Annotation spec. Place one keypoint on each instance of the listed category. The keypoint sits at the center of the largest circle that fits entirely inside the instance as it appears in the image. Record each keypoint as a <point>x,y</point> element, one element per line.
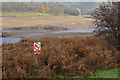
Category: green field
<point>111,73</point>
<point>31,14</point>
<point>22,14</point>
<point>87,16</point>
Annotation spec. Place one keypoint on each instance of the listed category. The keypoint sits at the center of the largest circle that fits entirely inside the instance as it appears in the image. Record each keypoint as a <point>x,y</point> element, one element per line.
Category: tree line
<point>43,7</point>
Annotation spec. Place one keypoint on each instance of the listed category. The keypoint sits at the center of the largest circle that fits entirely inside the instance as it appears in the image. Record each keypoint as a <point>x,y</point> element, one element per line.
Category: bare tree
<point>107,20</point>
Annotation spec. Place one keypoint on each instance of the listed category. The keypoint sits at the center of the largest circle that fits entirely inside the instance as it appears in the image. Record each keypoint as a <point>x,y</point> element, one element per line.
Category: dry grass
<point>62,21</point>
<point>67,56</point>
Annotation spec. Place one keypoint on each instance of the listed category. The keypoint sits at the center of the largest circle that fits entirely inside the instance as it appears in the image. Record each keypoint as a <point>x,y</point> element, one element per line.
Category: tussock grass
<point>66,56</point>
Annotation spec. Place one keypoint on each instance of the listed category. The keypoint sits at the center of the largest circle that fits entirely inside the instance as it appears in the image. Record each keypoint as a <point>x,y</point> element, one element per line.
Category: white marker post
<point>37,48</point>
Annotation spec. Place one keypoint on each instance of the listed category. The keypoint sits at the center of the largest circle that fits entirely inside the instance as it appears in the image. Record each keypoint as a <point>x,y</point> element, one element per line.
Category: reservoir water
<point>14,40</point>
<point>9,40</point>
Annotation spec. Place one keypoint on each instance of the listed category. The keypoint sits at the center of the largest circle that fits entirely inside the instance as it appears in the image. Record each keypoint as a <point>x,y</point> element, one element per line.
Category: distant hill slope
<point>53,8</point>
<point>85,7</point>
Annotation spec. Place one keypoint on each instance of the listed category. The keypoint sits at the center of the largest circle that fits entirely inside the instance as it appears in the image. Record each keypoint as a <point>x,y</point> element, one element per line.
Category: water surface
<point>76,31</point>
<point>15,40</point>
<point>10,40</point>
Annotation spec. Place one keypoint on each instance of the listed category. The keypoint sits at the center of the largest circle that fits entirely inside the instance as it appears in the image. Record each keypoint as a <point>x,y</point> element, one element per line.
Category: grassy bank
<point>87,16</point>
<point>22,14</point>
<point>111,73</point>
<point>74,56</point>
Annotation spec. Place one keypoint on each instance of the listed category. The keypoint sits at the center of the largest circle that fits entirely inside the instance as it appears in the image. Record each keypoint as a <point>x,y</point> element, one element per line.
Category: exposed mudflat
<point>30,26</point>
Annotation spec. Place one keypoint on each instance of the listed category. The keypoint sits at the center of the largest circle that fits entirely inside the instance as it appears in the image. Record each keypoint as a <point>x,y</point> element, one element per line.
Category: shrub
<point>67,56</point>
<point>107,20</point>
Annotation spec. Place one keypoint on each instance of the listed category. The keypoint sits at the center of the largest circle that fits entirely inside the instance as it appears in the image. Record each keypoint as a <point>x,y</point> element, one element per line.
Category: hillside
<point>85,7</point>
<point>55,8</point>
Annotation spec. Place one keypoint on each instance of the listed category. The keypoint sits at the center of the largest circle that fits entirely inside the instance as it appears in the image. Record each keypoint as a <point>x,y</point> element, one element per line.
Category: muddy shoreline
<point>41,30</point>
<point>57,33</point>
<point>52,26</point>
